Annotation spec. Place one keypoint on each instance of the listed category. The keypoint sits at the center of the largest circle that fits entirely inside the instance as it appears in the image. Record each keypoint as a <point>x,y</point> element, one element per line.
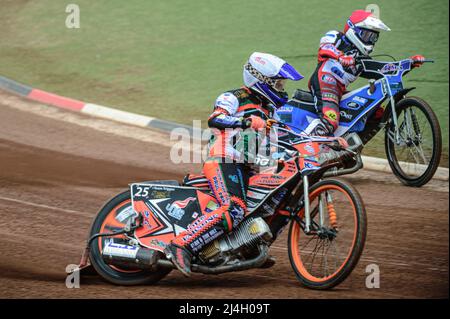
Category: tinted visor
<point>368,36</point>
<point>279,85</point>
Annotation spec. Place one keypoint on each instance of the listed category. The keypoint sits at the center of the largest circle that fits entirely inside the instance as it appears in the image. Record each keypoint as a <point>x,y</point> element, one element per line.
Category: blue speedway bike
<point>413,141</point>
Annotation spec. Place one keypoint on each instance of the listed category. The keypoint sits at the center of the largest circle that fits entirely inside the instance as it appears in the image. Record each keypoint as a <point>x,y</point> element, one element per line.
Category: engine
<point>246,235</point>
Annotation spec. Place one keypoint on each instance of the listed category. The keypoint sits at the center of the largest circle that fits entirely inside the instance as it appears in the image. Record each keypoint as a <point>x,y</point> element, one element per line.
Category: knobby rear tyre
<point>114,274</point>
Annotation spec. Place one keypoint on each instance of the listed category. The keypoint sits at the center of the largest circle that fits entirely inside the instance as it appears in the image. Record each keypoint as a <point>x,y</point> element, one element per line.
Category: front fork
<point>393,102</point>
<point>306,204</point>
<point>394,118</point>
<point>407,126</point>
<point>325,203</point>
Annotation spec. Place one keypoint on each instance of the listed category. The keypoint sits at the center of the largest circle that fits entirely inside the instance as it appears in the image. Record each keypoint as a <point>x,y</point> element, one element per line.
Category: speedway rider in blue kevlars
<point>251,106</point>
<point>338,67</point>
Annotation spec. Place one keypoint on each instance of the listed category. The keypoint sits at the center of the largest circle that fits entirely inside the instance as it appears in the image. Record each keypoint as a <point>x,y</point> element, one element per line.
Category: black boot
<point>323,128</point>
<point>180,257</point>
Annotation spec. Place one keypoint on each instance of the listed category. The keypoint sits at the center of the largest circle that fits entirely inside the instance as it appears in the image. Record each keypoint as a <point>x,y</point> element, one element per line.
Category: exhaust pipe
<point>140,257</point>
<point>125,255</point>
<point>240,266</point>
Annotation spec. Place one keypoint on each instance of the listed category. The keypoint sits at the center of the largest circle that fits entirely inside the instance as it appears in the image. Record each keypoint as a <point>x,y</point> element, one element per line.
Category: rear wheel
<point>113,217</point>
<point>327,255</point>
<point>415,156</point>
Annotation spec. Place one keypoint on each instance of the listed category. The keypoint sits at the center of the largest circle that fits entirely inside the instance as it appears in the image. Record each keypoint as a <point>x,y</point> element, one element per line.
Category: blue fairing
<point>395,81</point>
<point>356,106</point>
<point>354,109</point>
<point>296,118</point>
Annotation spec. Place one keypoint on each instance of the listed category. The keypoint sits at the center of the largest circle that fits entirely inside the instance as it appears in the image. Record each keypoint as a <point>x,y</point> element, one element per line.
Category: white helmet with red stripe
<point>362,29</point>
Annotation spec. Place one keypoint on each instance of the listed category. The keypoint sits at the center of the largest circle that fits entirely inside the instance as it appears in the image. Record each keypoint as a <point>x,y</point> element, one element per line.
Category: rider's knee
<point>330,111</point>
<point>330,124</point>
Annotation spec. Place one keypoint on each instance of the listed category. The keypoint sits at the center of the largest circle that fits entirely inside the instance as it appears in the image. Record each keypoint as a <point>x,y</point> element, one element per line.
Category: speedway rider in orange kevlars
<point>251,106</point>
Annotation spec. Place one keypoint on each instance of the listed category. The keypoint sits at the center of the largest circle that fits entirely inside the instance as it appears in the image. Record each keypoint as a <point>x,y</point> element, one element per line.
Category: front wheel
<point>113,217</point>
<point>324,257</point>
<point>414,153</point>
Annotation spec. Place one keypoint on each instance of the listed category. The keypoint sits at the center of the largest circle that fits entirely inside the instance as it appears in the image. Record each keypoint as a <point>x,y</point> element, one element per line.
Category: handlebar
<point>360,58</point>
<point>281,124</point>
<point>363,57</point>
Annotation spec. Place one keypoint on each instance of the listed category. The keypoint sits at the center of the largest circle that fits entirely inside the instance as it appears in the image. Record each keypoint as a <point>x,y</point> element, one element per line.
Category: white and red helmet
<point>362,29</point>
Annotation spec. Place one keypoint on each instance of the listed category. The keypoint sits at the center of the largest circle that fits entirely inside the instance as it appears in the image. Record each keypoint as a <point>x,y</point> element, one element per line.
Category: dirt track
<point>55,175</point>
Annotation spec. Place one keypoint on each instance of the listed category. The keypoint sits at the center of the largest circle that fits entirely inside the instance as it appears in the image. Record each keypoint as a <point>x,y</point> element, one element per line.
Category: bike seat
<point>304,96</point>
<point>301,104</point>
<point>194,180</point>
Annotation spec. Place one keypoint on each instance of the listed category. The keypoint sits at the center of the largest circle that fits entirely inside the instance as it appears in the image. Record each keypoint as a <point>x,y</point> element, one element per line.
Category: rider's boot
<point>323,128</point>
<point>202,231</point>
<point>180,257</point>
<point>227,183</point>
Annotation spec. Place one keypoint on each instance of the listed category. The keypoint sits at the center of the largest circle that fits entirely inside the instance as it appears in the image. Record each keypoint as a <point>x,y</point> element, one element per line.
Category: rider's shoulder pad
<point>330,37</point>
<point>227,101</point>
